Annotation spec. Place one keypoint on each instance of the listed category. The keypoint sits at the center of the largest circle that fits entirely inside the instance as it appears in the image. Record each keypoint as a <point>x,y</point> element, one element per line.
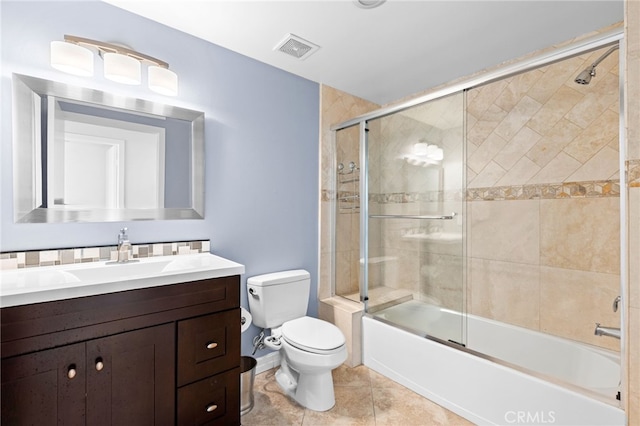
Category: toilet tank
<point>278,297</point>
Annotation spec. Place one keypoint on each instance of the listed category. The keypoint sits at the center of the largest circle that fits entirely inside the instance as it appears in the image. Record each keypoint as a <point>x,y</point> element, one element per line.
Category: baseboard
<point>267,362</point>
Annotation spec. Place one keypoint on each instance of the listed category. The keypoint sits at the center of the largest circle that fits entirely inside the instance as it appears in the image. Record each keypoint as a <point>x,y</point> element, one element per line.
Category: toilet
<point>309,347</point>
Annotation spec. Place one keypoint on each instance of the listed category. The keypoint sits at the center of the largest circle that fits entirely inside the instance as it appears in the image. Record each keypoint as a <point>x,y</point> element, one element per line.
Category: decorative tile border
<point>604,188</point>
<point>32,259</point>
<point>415,197</point>
<point>593,189</point>
<point>327,195</point>
<point>395,197</point>
<point>633,173</point>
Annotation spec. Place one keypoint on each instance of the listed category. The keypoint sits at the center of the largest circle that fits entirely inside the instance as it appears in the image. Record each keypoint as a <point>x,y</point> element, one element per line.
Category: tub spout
<point>607,331</point>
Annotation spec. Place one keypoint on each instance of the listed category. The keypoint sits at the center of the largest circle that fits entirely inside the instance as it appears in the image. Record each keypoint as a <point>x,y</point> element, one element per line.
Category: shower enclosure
<point>413,219</point>
<point>414,215</point>
<point>489,212</point>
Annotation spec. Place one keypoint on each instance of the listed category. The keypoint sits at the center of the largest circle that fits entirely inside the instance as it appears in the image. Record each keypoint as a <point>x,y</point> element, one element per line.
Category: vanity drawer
<point>212,401</point>
<point>208,345</point>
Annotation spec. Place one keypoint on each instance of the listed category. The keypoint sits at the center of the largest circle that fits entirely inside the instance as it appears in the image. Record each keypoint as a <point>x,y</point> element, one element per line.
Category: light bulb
<point>163,81</point>
<point>71,58</point>
<point>122,68</point>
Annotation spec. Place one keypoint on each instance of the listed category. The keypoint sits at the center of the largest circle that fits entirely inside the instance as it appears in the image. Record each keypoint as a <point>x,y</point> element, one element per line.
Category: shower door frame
<point>364,214</point>
<point>609,38</point>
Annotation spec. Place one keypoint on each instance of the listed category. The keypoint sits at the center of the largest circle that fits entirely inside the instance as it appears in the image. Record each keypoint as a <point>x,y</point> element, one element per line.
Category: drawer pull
<point>211,408</point>
<point>71,372</point>
<point>99,364</point>
<point>212,345</point>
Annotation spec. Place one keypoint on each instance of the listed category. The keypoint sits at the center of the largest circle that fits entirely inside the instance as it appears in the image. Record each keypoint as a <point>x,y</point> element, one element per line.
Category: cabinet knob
<point>211,408</point>
<point>99,364</point>
<point>71,372</point>
<point>212,345</point>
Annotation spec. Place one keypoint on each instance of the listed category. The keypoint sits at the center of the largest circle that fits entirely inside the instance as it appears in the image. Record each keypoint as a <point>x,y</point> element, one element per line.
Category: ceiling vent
<point>297,47</point>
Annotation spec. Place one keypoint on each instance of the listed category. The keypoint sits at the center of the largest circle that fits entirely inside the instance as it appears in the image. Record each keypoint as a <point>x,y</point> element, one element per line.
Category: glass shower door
<point>347,214</point>
<point>415,214</point>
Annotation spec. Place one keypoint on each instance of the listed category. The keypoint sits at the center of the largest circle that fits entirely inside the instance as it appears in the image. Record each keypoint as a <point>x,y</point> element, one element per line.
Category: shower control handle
<point>616,303</point>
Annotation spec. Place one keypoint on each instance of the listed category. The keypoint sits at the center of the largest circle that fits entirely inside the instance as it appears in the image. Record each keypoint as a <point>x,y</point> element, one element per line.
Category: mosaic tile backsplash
<point>31,259</point>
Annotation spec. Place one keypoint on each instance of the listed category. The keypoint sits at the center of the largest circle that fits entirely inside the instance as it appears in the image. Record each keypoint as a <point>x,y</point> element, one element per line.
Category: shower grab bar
<point>409,216</point>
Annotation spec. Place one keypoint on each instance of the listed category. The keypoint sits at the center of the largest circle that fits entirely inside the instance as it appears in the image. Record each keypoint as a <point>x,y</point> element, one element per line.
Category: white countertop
<point>49,283</point>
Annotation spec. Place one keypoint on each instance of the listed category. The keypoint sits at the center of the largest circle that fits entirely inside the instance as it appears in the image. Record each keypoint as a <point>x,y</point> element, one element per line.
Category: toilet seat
<point>313,335</point>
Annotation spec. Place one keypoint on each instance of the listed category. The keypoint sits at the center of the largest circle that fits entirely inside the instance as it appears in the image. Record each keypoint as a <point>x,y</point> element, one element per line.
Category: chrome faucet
<point>607,331</point>
<point>124,246</point>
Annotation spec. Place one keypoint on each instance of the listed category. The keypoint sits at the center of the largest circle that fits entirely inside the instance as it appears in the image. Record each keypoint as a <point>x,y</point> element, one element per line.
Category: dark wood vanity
<point>152,356</point>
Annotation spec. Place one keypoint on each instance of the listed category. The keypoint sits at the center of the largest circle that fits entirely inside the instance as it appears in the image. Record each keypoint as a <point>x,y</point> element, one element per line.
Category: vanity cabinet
<point>154,356</point>
<point>113,380</point>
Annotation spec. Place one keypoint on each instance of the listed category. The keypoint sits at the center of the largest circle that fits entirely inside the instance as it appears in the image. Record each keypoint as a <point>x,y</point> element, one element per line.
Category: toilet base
<point>312,391</point>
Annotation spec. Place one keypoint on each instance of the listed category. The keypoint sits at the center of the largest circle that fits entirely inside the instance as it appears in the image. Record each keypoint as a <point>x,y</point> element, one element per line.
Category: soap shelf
<point>349,201</point>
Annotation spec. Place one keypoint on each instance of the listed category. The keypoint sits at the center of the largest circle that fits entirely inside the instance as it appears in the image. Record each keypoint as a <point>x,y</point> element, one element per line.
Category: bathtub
<point>581,380</point>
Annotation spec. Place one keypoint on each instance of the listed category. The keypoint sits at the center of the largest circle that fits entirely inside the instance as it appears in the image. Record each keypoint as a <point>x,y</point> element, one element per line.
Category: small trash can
<point>247,375</point>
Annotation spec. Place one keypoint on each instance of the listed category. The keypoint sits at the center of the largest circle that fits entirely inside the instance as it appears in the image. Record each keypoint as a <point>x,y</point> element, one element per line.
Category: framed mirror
<point>83,155</point>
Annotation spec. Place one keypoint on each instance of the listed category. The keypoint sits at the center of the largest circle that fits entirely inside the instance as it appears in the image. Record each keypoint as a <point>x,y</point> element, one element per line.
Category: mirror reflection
<point>85,155</point>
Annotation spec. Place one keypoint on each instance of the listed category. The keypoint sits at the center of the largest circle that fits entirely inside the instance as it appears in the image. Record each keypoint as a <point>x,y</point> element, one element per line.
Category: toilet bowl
<point>309,347</point>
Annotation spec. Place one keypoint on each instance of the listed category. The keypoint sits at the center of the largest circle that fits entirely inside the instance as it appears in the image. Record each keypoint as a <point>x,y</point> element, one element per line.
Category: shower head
<point>585,76</point>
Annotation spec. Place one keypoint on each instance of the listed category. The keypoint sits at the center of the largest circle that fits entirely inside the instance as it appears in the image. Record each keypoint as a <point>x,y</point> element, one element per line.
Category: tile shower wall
<point>631,392</point>
<point>540,127</point>
<point>543,199</point>
<point>337,107</point>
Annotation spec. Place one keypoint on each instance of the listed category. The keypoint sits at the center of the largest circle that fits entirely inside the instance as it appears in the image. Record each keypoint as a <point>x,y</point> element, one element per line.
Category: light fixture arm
<point>114,48</point>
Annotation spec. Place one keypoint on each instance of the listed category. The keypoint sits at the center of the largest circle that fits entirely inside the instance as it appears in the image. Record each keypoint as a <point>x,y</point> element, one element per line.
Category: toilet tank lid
<point>275,278</point>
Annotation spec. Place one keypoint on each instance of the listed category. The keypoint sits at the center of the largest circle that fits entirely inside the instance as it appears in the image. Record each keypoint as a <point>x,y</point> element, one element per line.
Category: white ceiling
<point>386,53</point>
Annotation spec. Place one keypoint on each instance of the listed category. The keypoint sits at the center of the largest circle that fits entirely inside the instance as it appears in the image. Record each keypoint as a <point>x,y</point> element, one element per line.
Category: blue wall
<point>261,140</point>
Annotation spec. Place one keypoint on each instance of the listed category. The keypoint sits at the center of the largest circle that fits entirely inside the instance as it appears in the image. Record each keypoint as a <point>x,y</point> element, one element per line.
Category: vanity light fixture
<point>121,64</point>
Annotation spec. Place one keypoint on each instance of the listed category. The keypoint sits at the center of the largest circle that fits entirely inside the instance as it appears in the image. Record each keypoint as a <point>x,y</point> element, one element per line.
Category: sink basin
<point>17,280</point>
<point>119,271</point>
<point>43,284</point>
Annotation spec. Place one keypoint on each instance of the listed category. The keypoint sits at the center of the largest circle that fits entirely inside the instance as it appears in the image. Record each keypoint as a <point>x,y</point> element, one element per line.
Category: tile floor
<point>363,397</point>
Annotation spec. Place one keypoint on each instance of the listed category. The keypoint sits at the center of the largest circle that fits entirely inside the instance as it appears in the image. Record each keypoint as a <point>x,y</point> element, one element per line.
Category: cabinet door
<point>45,388</point>
<point>208,345</point>
<point>131,378</point>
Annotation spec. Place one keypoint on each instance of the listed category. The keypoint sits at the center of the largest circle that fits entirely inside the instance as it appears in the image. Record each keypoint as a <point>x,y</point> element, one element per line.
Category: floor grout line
<point>397,404</point>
